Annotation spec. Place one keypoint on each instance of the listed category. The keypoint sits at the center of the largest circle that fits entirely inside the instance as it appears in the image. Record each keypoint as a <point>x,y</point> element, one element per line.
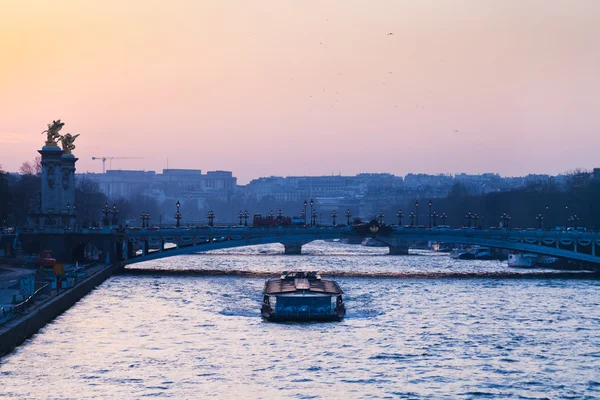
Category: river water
<point>413,330</point>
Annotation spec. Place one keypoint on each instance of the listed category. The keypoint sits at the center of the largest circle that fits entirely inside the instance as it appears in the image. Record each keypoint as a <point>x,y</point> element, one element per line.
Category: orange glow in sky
<point>277,87</point>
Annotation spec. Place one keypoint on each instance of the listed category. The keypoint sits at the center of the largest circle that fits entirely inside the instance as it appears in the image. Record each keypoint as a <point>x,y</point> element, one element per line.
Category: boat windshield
<point>303,304</point>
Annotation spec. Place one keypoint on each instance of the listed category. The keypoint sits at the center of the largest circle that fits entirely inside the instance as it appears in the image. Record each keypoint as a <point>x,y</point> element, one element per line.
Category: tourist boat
<point>302,296</point>
<point>522,260</point>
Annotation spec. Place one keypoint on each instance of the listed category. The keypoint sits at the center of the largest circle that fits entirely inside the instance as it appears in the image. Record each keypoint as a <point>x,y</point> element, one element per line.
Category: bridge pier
<point>293,248</point>
<point>401,250</point>
<point>397,247</point>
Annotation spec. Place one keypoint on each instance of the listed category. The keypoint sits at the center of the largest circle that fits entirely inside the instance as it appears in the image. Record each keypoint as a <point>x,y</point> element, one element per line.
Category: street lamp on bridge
<point>311,211</point>
<point>333,216</point>
<point>246,215</point>
<point>348,215</point>
<point>574,220</point>
<point>444,216</point>
<point>430,204</point>
<point>106,211</point>
<point>434,216</point>
<point>399,214</point>
<point>506,220</point>
<point>417,211</point>
<point>476,218</point>
<point>380,217</point>
<point>469,217</point>
<point>115,213</point>
<point>145,217</point>
<point>211,217</point>
<point>304,212</point>
<point>279,216</point>
<point>314,214</point>
<point>177,214</point>
<point>240,216</point>
<point>540,220</point>
<point>412,218</point>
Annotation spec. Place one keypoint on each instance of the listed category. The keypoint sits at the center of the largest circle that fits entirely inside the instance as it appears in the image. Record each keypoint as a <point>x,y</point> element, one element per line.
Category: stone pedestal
<point>55,208</point>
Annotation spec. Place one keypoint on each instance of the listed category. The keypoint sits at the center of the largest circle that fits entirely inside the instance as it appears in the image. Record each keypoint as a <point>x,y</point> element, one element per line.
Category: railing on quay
<point>6,314</point>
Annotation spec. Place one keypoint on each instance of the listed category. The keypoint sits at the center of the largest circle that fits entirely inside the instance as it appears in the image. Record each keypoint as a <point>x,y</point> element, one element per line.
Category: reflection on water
<point>202,336</point>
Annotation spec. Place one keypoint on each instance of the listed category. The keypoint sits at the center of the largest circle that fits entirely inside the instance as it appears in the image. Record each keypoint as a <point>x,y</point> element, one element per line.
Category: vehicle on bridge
<point>302,296</point>
<point>270,221</point>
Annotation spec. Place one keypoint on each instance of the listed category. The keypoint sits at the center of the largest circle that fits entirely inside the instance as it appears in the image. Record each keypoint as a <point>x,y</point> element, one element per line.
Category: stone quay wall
<point>15,332</point>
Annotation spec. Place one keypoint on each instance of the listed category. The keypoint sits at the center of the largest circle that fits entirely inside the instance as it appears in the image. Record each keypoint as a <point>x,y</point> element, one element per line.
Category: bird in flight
<point>391,34</point>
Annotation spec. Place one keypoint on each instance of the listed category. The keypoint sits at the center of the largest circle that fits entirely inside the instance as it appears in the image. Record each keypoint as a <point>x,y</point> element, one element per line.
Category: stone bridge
<point>137,245</point>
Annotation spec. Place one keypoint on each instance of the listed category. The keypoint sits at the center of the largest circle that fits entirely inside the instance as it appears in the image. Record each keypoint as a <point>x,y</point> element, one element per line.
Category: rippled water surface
<point>192,336</point>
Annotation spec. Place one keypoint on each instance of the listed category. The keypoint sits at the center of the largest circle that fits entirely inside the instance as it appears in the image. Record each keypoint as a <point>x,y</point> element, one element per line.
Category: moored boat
<point>370,242</point>
<point>482,253</point>
<point>302,296</point>
<point>522,260</point>
<point>462,254</point>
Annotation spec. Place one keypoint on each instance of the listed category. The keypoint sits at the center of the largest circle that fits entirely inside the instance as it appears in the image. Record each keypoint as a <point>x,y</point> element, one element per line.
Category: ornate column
<point>51,190</point>
<point>67,186</point>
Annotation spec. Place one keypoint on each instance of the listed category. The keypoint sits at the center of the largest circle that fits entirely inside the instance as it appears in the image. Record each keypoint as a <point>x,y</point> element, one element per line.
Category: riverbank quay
<point>26,319</point>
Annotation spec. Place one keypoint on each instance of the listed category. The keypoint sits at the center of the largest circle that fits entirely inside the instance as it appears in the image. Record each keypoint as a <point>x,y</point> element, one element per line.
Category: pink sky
<point>277,87</point>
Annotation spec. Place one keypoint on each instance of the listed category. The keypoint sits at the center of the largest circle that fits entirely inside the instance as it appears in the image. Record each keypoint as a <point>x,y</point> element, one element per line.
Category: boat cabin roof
<point>301,282</point>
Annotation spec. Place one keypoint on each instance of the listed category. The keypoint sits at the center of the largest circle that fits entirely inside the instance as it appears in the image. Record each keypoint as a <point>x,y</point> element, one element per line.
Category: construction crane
<point>113,158</point>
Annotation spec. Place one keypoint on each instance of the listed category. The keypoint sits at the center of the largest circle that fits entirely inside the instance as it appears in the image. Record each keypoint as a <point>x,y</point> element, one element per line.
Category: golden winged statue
<point>67,142</point>
<point>52,132</point>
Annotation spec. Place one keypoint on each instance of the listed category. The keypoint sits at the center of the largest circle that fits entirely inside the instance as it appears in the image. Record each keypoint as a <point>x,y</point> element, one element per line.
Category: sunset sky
<point>282,87</point>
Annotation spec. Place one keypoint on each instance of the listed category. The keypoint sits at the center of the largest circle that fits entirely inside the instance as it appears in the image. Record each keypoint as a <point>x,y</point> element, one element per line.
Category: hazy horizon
<point>284,89</point>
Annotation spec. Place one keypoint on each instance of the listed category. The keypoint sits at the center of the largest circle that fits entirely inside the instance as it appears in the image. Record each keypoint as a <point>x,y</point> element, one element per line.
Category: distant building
<point>125,184</point>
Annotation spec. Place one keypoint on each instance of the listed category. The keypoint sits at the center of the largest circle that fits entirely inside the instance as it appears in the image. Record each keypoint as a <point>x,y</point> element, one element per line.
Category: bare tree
<point>31,167</point>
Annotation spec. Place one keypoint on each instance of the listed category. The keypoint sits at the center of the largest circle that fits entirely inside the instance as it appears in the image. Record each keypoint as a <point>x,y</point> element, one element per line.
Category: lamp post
<point>412,218</point>
<point>434,216</point>
<point>279,216</point>
<point>311,210</point>
<point>333,215</point>
<point>348,215</point>
<point>115,213</point>
<point>399,214</point>
<point>574,219</point>
<point>380,217</point>
<point>246,215</point>
<point>240,216</point>
<point>444,216</point>
<point>469,217</point>
<point>476,218</point>
<point>546,215</point>
<point>540,220</point>
<point>417,211</point>
<point>430,204</point>
<point>506,219</point>
<point>304,213</point>
<point>210,216</point>
<point>105,211</point>
<point>143,218</point>
<point>177,214</point>
<point>314,218</point>
<point>567,213</point>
